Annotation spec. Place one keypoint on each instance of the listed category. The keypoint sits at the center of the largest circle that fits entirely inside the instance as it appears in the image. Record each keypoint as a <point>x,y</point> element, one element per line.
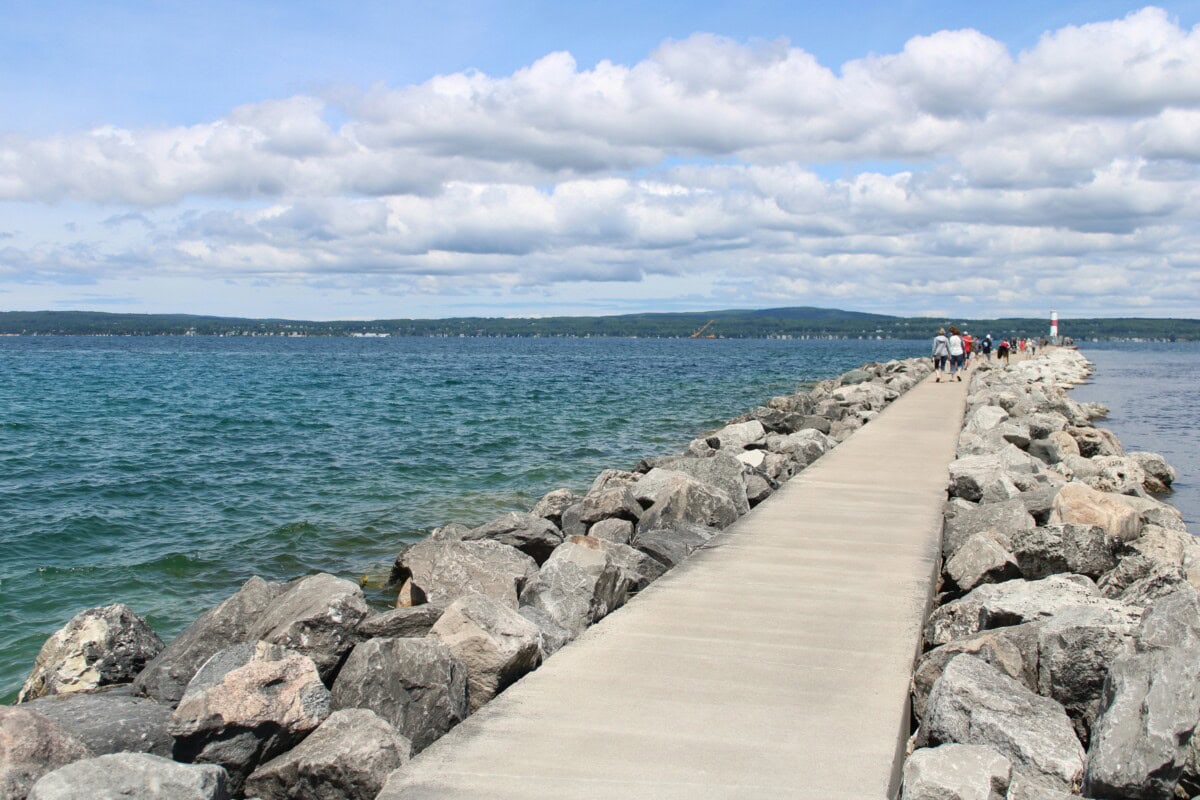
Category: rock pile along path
<point>775,663</point>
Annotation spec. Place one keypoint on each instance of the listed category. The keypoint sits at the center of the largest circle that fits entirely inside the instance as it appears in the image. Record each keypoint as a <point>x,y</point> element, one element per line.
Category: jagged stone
<point>721,470</point>
<point>1096,442</point>
<point>552,637</point>
<point>1080,549</point>
<point>578,585</point>
<point>981,560</point>
<point>613,479</point>
<point>956,772</point>
<point>553,503</point>
<point>443,571</point>
<point>1079,504</point>
<point>110,721</point>
<point>400,622</point>
<point>494,643</point>
<point>757,489</point>
<point>533,535</point>
<point>140,775</point>
<point>740,435</point>
<point>612,530</point>
<point>679,498</point>
<point>963,522</point>
<point>315,617</point>
<point>1159,474</point>
<point>671,545</point>
<point>1055,448</point>
<point>30,746</point>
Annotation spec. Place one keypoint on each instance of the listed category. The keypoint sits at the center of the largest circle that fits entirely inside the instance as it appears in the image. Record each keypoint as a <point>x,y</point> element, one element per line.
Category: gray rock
<point>415,684</point>
<point>985,478</point>
<point>552,637</point>
<point>1079,504</point>
<point>1022,787</point>
<point>444,571</point>
<point>553,503</point>
<point>98,647</point>
<point>804,446</point>
<point>110,721</point>
<point>681,499</point>
<point>533,535</point>
<point>1159,474</point>
<point>974,703</point>
<point>612,530</point>
<point>223,662</point>
<point>856,376</point>
<point>1039,501</point>
<point>1080,549</point>
<point>227,623</point>
<point>613,479</point>
<point>740,435</point>
<point>638,569</point>
<point>1158,583</point>
<point>956,772</point>
<point>578,585</point>
<point>961,523</point>
<point>1096,442</point>
<point>30,746</point>
<point>776,420</point>
<point>817,423</point>
<point>721,470</point>
<point>671,545</point>
<point>348,758</point>
<point>395,623</point>
<point>1153,512</point>
<point>757,489</point>
<point>254,713</point>
<point>1055,448</point>
<point>140,775</point>
<point>617,502</point>
<point>315,617</point>
<point>494,643</point>
<point>981,560</point>
<point>1157,550</point>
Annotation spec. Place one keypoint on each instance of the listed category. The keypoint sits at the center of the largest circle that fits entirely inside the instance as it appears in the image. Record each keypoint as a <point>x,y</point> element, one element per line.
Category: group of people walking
<point>952,351</point>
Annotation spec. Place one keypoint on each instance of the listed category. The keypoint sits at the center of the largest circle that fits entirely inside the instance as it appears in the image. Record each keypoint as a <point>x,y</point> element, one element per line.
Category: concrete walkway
<point>774,664</point>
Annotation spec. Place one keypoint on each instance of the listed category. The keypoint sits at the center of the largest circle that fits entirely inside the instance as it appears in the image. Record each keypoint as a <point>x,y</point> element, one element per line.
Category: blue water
<point>163,472</point>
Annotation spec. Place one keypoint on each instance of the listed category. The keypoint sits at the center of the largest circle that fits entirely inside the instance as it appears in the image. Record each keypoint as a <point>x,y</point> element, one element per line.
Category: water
<point>163,472</point>
<point>1150,389</point>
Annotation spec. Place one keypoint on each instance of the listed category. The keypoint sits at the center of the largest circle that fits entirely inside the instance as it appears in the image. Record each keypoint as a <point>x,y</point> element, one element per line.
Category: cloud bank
<point>951,174</point>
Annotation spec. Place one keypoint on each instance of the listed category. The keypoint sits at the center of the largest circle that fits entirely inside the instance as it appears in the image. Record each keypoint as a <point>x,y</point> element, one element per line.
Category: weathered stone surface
<point>981,560</point>
<point>956,772</point>
<point>671,545</point>
<point>804,447</point>
<point>679,498</point>
<point>415,684</point>
<point>962,523</point>
<point>315,617</point>
<point>1013,650</point>
<point>252,714</point>
<point>994,605</point>
<point>229,622</point>
<point>444,571</point>
<point>1080,549</point>
<point>1096,442</point>
<point>110,721</point>
<point>348,758</point>
<point>740,435</point>
<point>639,569</point>
<point>1039,501</point>
<point>140,775</point>
<point>988,478</point>
<point>1157,550</point>
<point>494,643</point>
<point>757,489</point>
<point>30,746</point>
<point>1055,447</point>
<point>533,535</point>
<point>1153,512</point>
<point>1022,787</point>
<point>1079,504</point>
<point>776,420</point>
<point>617,502</point>
<point>98,647</point>
<point>974,703</point>
<point>578,585</point>
<point>400,622</point>
<point>1159,474</point>
<point>552,637</point>
<point>223,662</point>
<point>553,503</point>
<point>612,530</point>
<point>984,419</point>
<point>721,470</point>
<point>613,479</point>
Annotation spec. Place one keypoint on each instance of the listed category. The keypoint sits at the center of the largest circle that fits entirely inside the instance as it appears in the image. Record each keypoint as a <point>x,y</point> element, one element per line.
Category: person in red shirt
<point>968,344</point>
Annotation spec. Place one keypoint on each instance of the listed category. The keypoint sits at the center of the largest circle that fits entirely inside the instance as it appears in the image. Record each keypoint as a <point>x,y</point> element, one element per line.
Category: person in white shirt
<point>957,353</point>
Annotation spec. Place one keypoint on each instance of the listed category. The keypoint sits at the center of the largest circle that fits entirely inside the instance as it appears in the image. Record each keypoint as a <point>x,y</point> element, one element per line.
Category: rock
<point>494,643</point>
<point>552,637</point>
<point>752,458</point>
<point>817,423</point>
<point>98,647</point>
<point>445,571</point>
<point>1158,583</point>
<point>30,746</point>
<point>315,617</point>
<point>1054,448</point>
<point>956,772</point>
<point>552,505</point>
<point>1157,550</point>
<point>227,623</point>
<point>681,499</point>
<point>1083,505</point>
<point>776,420</point>
<point>1153,512</point>
<point>400,622</point>
<point>804,446</point>
<point>720,470</point>
<point>1013,650</point>
<point>1116,474</point>
<point>223,662</point>
<point>974,703</point>
<point>110,721</point>
<point>578,585</point>
<point>856,376</point>
<point>612,530</point>
<point>533,535</point>
<point>671,545</point>
<point>415,684</point>
<point>133,775</point>
<point>1039,502</point>
<point>249,714</point>
<point>864,395</point>
<point>757,489</point>
<point>613,479</point>
<point>985,419</point>
<point>776,467</point>
<point>988,478</point>
<point>348,758</point>
<point>981,560</point>
<point>1004,518</point>
<point>1159,474</point>
<point>1024,788</point>
<point>741,435</point>
<point>638,569</point>
<point>1079,549</point>
<point>1096,442</point>
<point>994,605</point>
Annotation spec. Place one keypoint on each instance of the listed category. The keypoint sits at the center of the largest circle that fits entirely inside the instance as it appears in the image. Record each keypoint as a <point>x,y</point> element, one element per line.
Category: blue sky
<point>306,159</point>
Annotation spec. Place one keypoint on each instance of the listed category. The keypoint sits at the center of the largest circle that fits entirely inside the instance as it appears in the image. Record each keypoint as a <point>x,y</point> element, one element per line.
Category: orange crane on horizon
<point>703,328</point>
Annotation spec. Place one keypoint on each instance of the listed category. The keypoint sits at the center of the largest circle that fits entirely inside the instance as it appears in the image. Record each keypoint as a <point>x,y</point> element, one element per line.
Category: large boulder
<point>494,643</point>
<point>614,502</point>
<point>1079,504</point>
<point>994,605</point>
<point>974,703</point>
<point>553,504</point>
<point>964,521</point>
<point>993,477</point>
<point>1157,550</point>
<point>414,684</point>
<point>956,772</point>
<point>804,446</point>
<point>30,746</point>
<point>348,758</point>
<point>97,647</point>
<point>982,559</point>
<point>249,714</point>
<point>639,569</point>
<point>533,535</point>
<point>740,435</point>
<point>110,721</point>
<point>140,775</point>
<point>400,622</point>
<point>721,470</point>
<point>612,530</point>
<point>315,617</point>
<point>578,585</point>
<point>672,544</point>
<point>1096,442</point>
<point>679,498</point>
<point>1159,474</point>
<point>226,623</point>
<point>443,571</point>
<point>1081,549</point>
<point>1055,448</point>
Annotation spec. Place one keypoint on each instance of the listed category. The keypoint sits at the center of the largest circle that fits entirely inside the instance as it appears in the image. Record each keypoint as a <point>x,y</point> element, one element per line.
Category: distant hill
<point>798,321</point>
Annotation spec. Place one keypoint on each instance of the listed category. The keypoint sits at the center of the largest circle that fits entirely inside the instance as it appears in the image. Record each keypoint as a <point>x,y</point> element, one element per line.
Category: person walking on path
<point>941,353</point>
<point>1002,351</point>
<point>957,353</point>
<point>987,346</point>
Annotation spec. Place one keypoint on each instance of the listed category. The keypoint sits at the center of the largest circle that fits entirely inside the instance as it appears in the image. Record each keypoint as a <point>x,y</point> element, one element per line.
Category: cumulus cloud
<point>1070,169</point>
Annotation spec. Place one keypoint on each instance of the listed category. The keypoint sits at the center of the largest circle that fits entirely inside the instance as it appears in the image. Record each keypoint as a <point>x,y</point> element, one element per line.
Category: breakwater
<point>1063,655</point>
<point>253,678</point>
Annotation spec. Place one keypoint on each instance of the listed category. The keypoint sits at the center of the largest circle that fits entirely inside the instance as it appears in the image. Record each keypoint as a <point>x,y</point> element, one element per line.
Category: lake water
<point>163,472</point>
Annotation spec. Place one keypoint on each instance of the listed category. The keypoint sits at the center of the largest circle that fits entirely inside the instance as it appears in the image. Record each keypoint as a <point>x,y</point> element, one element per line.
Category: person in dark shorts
<point>941,353</point>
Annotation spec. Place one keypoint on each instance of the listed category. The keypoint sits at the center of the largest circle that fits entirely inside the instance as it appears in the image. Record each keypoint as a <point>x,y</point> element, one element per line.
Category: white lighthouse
<point>1054,325</point>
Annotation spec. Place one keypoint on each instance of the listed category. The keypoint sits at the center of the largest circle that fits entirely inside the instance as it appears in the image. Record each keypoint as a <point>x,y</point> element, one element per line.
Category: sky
<point>465,157</point>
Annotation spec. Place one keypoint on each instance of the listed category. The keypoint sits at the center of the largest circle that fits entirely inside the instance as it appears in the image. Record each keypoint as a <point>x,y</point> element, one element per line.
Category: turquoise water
<point>163,472</point>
